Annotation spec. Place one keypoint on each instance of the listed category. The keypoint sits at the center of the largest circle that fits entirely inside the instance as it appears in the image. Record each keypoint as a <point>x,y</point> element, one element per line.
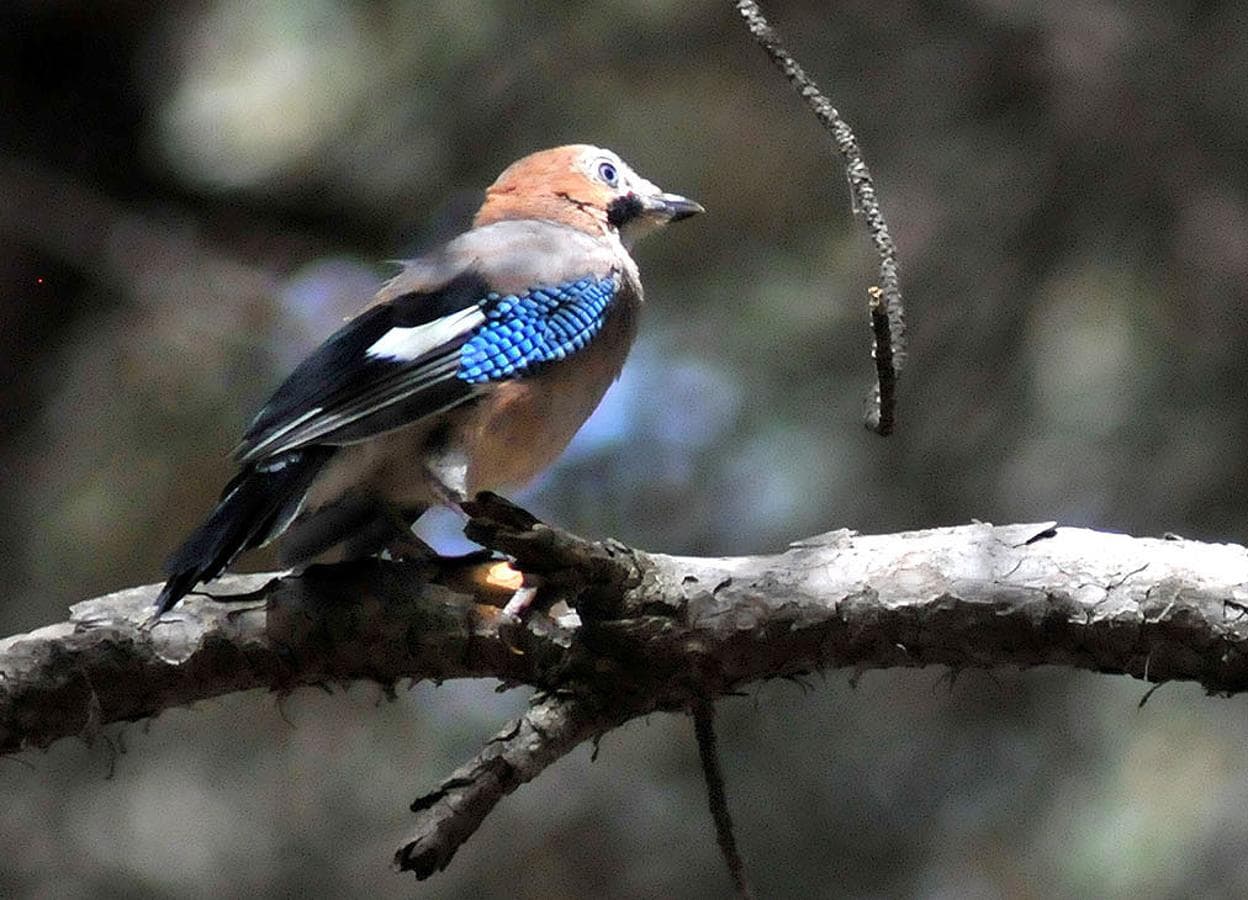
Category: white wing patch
<point>410,344</point>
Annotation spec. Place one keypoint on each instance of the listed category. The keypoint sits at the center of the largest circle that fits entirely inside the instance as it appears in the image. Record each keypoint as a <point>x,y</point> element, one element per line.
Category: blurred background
<point>194,193</point>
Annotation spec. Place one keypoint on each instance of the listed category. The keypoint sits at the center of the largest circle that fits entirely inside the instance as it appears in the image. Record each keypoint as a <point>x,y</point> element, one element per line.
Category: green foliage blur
<point>192,194</point>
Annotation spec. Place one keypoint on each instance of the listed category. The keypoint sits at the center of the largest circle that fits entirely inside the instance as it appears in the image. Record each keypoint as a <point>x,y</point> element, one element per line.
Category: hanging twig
<point>889,336</point>
<point>703,712</point>
<point>881,414</point>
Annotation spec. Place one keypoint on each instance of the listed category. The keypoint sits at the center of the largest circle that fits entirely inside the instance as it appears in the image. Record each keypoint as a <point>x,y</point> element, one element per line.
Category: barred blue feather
<point>523,331</point>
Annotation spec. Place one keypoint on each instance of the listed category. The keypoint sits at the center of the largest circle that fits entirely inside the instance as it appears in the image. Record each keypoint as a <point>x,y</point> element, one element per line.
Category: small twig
<point>450,815</point>
<point>882,416</point>
<point>1148,695</point>
<point>703,712</point>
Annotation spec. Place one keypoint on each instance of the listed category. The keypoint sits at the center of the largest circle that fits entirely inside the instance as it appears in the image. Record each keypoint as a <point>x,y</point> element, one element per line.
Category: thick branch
<point>681,628</point>
<point>658,632</point>
<point>369,620</point>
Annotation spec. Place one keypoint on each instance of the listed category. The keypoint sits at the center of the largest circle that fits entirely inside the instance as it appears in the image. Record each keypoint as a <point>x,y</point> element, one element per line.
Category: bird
<point>469,370</point>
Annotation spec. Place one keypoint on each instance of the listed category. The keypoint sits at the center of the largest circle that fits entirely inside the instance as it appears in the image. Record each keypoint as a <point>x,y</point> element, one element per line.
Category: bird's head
<point>589,188</point>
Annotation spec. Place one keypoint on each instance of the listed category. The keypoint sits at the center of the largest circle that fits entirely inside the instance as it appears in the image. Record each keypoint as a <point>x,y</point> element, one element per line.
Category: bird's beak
<point>671,207</point>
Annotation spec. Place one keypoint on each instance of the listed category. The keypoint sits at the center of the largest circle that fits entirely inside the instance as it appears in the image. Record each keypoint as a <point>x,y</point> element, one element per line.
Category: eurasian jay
<point>470,370</point>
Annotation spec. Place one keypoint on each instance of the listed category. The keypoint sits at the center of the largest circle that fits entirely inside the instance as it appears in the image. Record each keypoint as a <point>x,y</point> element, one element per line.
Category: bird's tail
<point>254,508</point>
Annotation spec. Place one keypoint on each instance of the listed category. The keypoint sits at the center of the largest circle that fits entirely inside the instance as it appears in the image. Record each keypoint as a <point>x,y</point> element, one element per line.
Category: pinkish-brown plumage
<point>553,186</point>
<point>471,370</point>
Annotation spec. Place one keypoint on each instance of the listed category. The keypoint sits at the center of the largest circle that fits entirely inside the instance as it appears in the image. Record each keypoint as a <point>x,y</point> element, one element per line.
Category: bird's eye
<point>607,172</point>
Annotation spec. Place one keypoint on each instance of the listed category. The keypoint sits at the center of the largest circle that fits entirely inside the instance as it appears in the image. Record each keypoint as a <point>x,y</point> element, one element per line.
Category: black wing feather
<point>339,381</point>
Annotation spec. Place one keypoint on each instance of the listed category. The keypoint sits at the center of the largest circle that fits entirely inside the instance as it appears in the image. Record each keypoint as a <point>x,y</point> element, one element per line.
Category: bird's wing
<point>510,300</point>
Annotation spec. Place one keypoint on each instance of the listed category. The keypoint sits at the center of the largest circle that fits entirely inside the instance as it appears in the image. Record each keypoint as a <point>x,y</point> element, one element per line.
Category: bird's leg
<point>504,575</point>
<point>446,475</point>
<point>403,542</point>
<point>523,597</point>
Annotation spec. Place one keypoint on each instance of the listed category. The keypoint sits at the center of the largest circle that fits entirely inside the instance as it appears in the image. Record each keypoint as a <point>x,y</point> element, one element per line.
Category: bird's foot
<point>520,602</point>
<point>506,580</point>
<point>407,546</point>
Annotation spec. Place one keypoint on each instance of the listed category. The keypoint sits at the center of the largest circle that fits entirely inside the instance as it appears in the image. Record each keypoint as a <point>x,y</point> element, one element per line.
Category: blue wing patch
<point>543,325</point>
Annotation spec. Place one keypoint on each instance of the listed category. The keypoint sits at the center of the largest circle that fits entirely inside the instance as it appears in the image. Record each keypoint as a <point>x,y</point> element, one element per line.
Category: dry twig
<point>703,713</point>
<point>889,348</point>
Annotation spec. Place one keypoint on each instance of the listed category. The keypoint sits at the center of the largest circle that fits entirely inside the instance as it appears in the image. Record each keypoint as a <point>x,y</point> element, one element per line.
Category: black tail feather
<point>253,509</point>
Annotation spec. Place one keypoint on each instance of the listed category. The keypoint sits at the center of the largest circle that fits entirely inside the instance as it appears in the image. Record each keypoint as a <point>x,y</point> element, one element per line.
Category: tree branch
<point>448,816</point>
<point>888,323</point>
<point>703,715</point>
<point>657,633</point>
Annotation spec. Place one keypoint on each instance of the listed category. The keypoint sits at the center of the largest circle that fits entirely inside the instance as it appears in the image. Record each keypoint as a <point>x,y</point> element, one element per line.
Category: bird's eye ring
<point>608,173</point>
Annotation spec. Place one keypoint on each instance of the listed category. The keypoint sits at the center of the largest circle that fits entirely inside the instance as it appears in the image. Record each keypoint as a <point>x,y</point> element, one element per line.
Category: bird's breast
<point>520,427</point>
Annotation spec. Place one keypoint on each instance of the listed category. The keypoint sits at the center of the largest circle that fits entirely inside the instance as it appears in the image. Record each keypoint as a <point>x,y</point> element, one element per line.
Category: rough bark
<point>658,632</point>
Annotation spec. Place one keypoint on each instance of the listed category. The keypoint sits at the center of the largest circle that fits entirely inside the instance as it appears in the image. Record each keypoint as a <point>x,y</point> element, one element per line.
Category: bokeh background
<point>192,194</point>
